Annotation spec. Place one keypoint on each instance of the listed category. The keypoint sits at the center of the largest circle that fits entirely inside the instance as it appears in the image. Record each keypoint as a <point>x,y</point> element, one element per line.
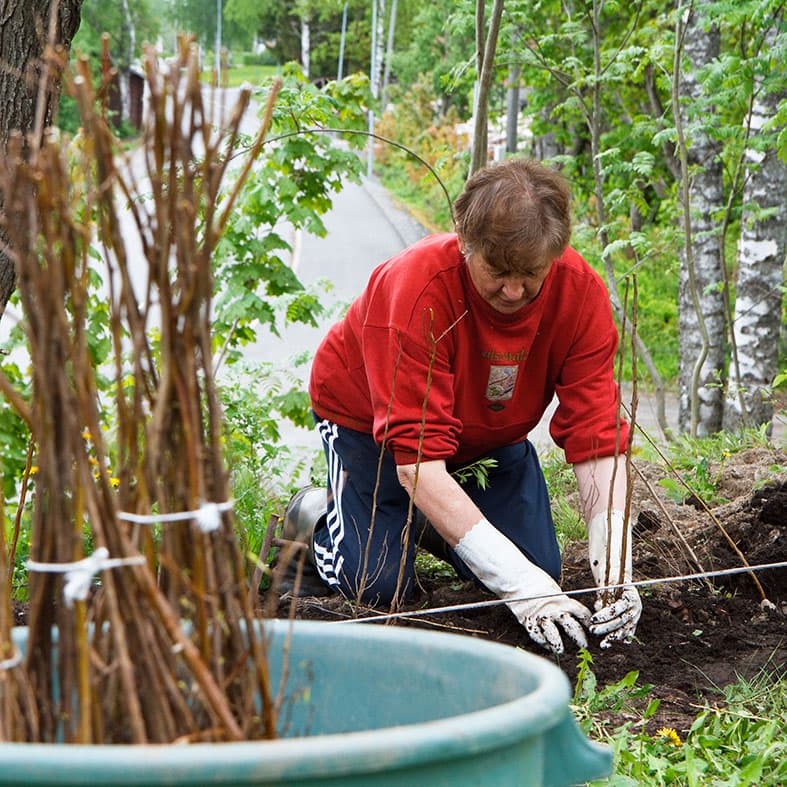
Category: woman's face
<point>506,291</point>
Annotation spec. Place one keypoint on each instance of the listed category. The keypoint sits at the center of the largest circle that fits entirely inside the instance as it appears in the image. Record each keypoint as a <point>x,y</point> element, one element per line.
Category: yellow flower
<point>92,460</point>
<point>33,469</point>
<point>114,482</point>
<point>86,434</point>
<point>671,736</point>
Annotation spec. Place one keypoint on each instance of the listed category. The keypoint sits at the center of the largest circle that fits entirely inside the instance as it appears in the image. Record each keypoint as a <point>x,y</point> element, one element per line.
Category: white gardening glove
<point>617,611</point>
<point>502,568</point>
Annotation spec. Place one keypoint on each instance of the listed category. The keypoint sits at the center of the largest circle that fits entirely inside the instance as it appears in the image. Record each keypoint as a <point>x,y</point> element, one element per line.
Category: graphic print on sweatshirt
<point>502,377</point>
<point>501,383</point>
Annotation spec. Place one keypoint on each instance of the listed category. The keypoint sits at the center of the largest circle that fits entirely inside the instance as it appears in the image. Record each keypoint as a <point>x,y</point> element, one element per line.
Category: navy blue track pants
<point>360,549</point>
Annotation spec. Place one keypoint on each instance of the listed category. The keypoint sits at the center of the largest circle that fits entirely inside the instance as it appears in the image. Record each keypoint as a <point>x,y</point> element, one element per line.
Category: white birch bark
<point>701,305</point>
<point>124,71</point>
<point>379,49</point>
<point>761,252</point>
<point>305,44</point>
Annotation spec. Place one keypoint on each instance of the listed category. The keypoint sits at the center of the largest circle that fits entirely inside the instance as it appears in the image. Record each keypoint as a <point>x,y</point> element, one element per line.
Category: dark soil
<point>695,636</point>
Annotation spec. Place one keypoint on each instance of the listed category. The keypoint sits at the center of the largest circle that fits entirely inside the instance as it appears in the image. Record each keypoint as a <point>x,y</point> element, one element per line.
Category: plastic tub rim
<point>462,735</point>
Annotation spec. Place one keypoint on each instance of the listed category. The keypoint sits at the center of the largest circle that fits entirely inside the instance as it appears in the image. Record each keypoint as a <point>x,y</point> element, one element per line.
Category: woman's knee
<point>375,586</point>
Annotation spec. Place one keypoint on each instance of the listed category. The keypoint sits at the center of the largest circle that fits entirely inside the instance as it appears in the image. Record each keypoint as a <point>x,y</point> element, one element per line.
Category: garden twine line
<point>80,573</point>
<point>418,613</point>
<point>207,516</point>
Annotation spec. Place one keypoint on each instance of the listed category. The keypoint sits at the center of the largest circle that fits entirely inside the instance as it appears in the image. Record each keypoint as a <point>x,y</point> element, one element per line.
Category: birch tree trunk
<point>389,47</point>
<point>761,251</point>
<point>701,322</point>
<point>27,102</point>
<point>306,45</point>
<point>379,48</point>
<point>129,38</point>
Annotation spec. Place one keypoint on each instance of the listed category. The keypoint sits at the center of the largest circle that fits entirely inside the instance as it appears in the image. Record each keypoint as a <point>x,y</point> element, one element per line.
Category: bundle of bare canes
<point>163,648</point>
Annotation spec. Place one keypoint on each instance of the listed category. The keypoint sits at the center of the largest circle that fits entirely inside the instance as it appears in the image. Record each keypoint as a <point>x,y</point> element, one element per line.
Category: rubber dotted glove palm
<point>617,611</point>
<point>535,598</point>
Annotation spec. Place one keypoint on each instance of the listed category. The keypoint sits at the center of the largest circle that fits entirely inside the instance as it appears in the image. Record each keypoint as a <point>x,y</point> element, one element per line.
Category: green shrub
<point>264,58</point>
<point>414,125</point>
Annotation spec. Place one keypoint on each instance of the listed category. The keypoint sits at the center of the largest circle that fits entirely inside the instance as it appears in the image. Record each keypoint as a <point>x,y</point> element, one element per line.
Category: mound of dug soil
<point>695,636</point>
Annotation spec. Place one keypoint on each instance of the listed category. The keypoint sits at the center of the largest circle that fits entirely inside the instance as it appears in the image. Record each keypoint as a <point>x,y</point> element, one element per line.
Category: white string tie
<point>79,575</point>
<point>13,661</point>
<point>207,516</point>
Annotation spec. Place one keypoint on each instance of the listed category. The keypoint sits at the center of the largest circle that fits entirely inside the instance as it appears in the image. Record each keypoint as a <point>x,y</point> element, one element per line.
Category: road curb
<point>405,226</point>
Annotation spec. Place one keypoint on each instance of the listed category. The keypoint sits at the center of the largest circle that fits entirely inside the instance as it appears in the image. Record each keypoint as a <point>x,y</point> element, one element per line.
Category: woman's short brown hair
<point>515,214</point>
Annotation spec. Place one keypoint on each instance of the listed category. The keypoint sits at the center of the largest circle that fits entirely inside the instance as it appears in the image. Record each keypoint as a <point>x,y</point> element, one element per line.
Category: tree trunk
<point>701,321</point>
<point>512,97</point>
<point>378,48</point>
<point>546,146</point>
<point>761,250</point>
<point>487,60</point>
<point>27,102</point>
<point>389,47</point>
<point>129,38</point>
<point>306,45</point>
<point>512,109</point>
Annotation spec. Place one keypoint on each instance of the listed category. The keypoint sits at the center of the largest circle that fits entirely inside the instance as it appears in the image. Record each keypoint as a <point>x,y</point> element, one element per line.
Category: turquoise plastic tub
<point>365,705</point>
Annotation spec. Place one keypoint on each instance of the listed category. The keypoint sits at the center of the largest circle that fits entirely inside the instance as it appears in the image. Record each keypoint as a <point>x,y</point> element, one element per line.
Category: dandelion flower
<point>671,736</point>
<point>114,482</point>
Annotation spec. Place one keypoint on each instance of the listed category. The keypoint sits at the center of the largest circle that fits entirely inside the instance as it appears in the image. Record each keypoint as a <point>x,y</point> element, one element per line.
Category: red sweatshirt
<point>420,353</point>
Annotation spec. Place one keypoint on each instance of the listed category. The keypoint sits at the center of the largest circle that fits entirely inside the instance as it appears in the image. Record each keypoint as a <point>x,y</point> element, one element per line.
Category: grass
<point>235,76</point>
<point>741,740</point>
<point>697,463</point>
<point>562,486</point>
<point>425,202</point>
